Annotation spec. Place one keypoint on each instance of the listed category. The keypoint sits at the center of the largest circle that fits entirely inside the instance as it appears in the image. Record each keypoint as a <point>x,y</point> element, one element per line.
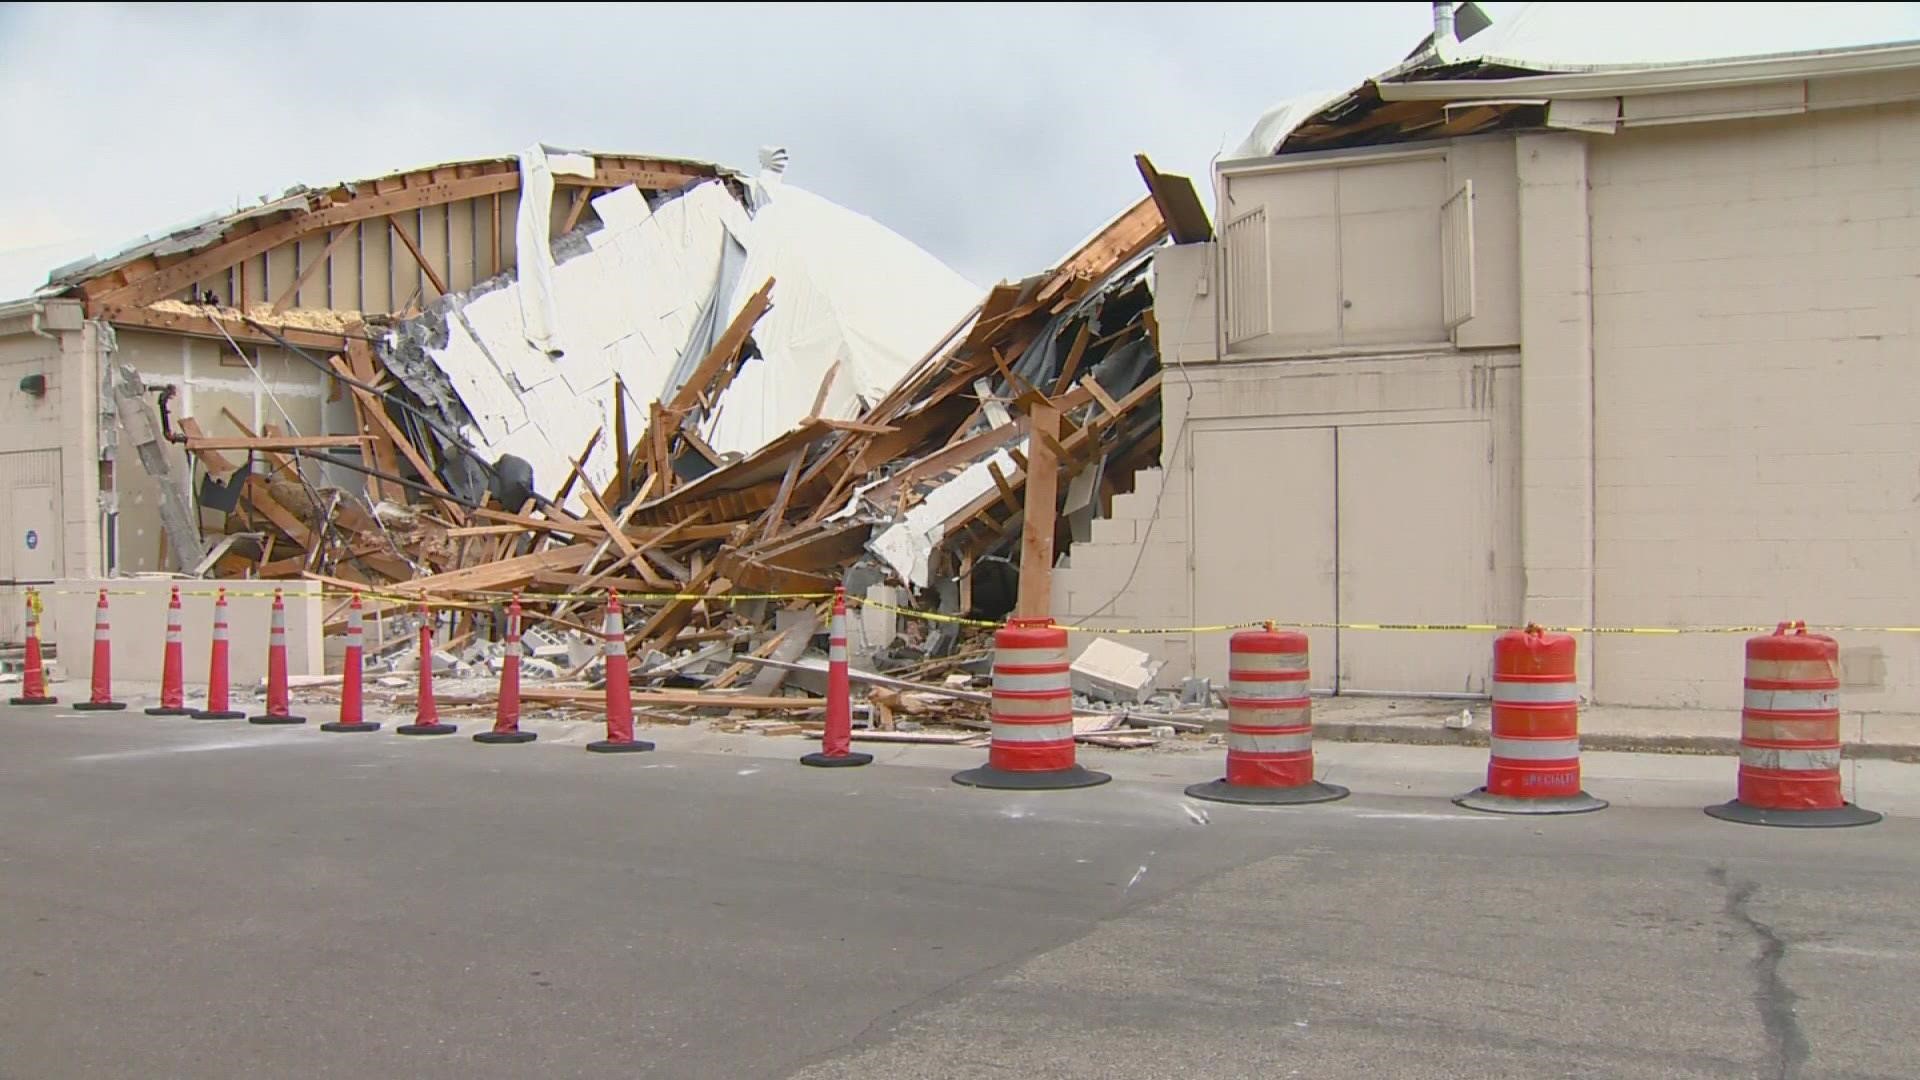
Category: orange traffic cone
<point>506,719</point>
<point>218,707</point>
<point>173,675</point>
<point>33,683</point>
<point>619,738</point>
<point>352,708</point>
<point>426,714</point>
<point>102,700</point>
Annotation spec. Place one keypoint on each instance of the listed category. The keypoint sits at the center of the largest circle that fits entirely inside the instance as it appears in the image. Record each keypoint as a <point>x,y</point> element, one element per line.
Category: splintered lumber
<point>1036,542</point>
<point>872,679</point>
<point>684,699</point>
<point>506,574</point>
<point>268,443</point>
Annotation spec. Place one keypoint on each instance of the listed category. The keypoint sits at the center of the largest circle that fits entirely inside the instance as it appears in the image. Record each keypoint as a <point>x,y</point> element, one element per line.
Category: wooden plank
<point>1036,541</point>
<point>231,252</point>
<point>1107,404</point>
<point>1007,496</point>
<point>505,574</point>
<point>207,323</point>
<point>557,524</point>
<point>260,497</point>
<point>378,412</point>
<point>725,348</point>
<point>285,299</point>
<point>419,258</point>
<point>685,699</point>
<point>385,457</point>
<point>274,442</point>
<point>494,237</point>
<point>771,521</point>
<point>1074,355</point>
<point>575,209</point>
<point>1133,232</point>
<point>579,465</point>
<point>1178,203</point>
<point>826,384</point>
<point>659,463</point>
<point>599,511</point>
<point>216,463</point>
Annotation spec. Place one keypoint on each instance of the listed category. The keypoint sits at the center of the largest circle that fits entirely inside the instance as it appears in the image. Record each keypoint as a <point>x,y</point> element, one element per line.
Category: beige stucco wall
<point>1709,419</point>
<point>48,454</point>
<point>1757,450</point>
<point>211,379</point>
<point>137,615</point>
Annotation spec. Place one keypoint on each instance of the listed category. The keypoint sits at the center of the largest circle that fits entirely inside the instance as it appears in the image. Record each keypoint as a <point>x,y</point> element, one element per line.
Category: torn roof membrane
<point>853,307</point>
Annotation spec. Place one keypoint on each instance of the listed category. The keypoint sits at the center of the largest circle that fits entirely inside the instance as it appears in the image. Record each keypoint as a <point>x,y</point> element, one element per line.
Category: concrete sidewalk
<point>1421,722</point>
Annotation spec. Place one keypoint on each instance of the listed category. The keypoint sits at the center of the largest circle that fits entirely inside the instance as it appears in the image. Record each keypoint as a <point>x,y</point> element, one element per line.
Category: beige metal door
<point>1416,546</point>
<point>1266,549</point>
<point>31,547</point>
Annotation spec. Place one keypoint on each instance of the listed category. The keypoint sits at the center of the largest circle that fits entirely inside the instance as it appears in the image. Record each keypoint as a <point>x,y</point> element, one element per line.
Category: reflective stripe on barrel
<point>1790,727</point>
<point>615,631</point>
<point>1533,751</point>
<point>837,639</point>
<point>1269,715</point>
<point>1032,698</point>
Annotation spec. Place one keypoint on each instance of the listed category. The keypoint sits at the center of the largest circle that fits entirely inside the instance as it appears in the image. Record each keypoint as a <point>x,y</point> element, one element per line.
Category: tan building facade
<point>1646,360</point>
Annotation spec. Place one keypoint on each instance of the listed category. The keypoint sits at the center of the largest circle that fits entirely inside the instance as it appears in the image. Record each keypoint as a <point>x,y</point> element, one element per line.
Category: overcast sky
<point>994,136</point>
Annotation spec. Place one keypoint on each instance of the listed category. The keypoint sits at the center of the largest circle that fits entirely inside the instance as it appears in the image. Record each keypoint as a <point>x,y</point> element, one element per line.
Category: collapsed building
<point>564,373</point>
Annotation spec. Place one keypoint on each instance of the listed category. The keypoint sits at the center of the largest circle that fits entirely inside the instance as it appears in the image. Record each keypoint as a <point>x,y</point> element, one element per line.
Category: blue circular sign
<point>33,539</point>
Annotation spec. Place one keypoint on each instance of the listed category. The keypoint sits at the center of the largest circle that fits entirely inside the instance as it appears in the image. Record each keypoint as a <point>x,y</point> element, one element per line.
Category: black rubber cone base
<point>1246,795</point>
<point>608,746</point>
<point>355,725</point>
<point>33,701</point>
<point>823,760</point>
<point>222,714</point>
<point>276,718</point>
<point>1479,799</point>
<point>99,706</point>
<point>500,738</point>
<point>1840,818</point>
<point>162,710</point>
<point>426,729</point>
<point>986,776</point>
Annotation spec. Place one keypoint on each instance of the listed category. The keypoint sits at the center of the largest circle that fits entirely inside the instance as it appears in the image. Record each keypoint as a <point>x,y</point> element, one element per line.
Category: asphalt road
<point>203,899</point>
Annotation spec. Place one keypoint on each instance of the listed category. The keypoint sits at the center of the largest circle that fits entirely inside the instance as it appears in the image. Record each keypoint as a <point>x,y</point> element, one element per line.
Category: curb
<point>1727,746</point>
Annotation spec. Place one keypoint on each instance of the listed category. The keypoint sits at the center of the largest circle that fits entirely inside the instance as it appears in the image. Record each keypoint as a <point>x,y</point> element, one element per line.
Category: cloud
<point>995,136</point>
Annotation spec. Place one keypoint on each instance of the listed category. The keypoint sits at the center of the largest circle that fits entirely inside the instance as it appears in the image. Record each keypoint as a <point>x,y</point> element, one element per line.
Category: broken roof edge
<point>214,226</point>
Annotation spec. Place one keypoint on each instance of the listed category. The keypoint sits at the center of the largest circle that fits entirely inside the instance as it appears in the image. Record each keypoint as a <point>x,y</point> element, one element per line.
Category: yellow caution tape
<point>484,600</point>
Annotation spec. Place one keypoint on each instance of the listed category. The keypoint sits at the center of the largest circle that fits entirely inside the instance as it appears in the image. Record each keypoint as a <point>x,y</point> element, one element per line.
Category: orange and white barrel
<point>1533,764</point>
<point>1790,735</point>
<point>1032,742</point>
<point>1269,724</point>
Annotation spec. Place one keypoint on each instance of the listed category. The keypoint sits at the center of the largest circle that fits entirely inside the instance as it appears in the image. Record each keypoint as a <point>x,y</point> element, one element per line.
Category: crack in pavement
<point>1771,994</point>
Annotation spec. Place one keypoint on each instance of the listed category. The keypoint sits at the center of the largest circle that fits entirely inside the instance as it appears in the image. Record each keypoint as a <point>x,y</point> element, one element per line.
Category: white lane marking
<point>1835,949</point>
<point>746,772</point>
<point>196,748</point>
<point>1196,813</point>
<point>1137,875</point>
<point>1387,815</point>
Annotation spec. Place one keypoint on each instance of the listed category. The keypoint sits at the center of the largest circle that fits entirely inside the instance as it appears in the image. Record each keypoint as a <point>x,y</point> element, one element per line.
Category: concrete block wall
<point>1757,451</point>
<point>137,609</point>
<point>1102,588</point>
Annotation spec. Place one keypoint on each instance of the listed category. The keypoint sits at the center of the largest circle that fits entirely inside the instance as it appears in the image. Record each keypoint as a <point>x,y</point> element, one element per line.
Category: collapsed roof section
<point>527,364</point>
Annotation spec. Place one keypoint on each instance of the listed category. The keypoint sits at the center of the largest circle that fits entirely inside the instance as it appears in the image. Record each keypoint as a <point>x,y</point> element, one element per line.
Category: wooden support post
<point>658,439</point>
<point>419,258</point>
<point>1036,541</point>
<point>495,264</point>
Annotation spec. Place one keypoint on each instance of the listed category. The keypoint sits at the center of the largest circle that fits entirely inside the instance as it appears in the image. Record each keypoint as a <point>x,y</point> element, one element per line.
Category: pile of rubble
<point>723,506</point>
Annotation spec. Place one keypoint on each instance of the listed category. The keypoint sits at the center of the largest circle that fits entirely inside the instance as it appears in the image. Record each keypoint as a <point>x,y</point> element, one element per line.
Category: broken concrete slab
<point>1109,671</point>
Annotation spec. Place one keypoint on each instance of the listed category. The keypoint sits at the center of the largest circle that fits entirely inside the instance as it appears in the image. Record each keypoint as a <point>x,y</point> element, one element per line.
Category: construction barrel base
<point>33,701</point>
<point>501,738</point>
<point>162,710</point>
<point>1299,795</point>
<point>270,718</point>
<point>100,706</point>
<point>1483,800</point>
<point>1838,817</point>
<point>426,729</point>
<point>836,761</point>
<point>350,725</point>
<point>986,776</point>
<point>608,746</point>
<point>219,714</point>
